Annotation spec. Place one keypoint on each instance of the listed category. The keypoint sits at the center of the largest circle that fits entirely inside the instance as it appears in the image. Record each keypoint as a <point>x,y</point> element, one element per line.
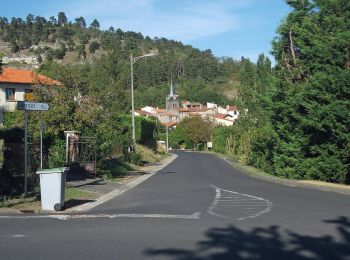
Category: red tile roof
<point>192,109</point>
<point>222,116</point>
<point>10,75</point>
<point>232,108</point>
<point>166,114</point>
<point>169,124</point>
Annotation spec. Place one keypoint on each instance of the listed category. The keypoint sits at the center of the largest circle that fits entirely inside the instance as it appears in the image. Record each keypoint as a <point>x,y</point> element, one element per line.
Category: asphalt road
<point>198,207</point>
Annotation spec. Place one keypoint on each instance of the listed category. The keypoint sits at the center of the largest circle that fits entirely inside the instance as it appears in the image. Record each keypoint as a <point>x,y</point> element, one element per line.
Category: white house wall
<point>148,109</point>
<point>222,110</point>
<point>223,122</point>
<point>19,94</point>
<point>232,113</point>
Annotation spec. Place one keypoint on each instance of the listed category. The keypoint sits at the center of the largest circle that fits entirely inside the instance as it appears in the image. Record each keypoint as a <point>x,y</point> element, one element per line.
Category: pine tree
<point>62,19</point>
<point>80,21</point>
<point>312,109</point>
<point>95,24</point>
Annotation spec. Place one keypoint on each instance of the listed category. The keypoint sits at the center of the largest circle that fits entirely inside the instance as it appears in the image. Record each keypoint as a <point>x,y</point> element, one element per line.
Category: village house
<point>188,105</point>
<point>222,119</point>
<point>17,85</point>
<point>230,110</point>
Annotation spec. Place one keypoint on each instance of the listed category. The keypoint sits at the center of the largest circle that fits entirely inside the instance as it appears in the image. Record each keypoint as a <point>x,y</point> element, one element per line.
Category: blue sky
<point>232,28</point>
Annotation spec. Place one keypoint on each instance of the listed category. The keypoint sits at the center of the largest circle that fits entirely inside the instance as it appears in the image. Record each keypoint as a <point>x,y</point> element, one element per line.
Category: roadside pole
<point>28,106</point>
<point>41,149</point>
<point>42,129</point>
<point>167,137</point>
<point>25,152</point>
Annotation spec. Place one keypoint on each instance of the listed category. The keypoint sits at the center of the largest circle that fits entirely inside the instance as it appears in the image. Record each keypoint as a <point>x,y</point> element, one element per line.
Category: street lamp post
<point>132,61</point>
<point>167,137</point>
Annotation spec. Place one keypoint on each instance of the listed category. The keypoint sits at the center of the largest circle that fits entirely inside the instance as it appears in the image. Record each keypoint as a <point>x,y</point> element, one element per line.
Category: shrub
<point>136,158</point>
<point>57,154</point>
<point>111,168</point>
<point>94,46</point>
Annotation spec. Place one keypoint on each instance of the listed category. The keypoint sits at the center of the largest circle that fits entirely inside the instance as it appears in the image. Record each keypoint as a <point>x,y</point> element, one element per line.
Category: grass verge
<point>76,193</point>
<point>32,203</point>
<point>259,174</point>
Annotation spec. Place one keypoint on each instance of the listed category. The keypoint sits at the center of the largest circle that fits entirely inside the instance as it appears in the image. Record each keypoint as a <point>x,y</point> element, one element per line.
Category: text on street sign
<point>32,106</point>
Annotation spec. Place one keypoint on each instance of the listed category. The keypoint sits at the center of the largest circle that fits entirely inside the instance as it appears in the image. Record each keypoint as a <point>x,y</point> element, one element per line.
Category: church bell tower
<point>172,103</point>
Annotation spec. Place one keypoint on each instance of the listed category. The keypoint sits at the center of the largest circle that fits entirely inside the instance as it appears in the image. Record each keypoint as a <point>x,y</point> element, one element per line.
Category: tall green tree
<point>80,21</point>
<point>193,131</point>
<point>61,19</point>
<point>312,106</point>
<point>95,24</point>
<point>264,74</point>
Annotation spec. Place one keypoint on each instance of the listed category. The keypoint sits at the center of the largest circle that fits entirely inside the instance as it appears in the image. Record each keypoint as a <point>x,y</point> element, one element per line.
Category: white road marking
<point>15,236</point>
<point>290,185</point>
<point>228,204</point>
<point>210,210</point>
<point>194,216</point>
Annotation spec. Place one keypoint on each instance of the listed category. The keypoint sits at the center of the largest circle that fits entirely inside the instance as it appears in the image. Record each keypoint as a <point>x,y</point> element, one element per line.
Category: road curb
<point>116,192</point>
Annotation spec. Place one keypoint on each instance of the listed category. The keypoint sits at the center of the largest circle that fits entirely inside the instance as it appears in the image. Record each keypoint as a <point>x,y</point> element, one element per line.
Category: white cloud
<point>180,20</point>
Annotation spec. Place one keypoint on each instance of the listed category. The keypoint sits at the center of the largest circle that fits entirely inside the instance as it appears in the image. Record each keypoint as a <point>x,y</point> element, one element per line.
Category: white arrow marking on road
<point>238,205</point>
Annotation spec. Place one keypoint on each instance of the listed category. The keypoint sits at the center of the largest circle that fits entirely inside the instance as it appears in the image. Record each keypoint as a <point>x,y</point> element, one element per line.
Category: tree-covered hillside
<point>200,75</point>
<point>93,66</point>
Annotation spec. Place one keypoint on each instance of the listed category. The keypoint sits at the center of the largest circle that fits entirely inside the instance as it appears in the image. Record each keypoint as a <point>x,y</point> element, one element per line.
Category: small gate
<point>82,150</point>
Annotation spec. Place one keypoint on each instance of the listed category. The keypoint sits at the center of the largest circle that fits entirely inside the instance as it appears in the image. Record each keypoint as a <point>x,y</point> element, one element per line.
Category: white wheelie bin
<point>52,188</point>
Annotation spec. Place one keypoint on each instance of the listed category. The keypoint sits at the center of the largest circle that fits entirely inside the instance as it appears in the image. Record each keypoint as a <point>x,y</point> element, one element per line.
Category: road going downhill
<point>198,207</point>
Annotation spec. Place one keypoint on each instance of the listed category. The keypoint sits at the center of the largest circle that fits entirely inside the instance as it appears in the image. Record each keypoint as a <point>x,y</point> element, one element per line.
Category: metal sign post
<point>42,129</point>
<point>25,151</point>
<point>28,106</point>
<point>167,137</point>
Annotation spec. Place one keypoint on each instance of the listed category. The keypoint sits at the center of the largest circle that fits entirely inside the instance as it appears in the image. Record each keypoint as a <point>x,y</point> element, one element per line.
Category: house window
<point>10,94</point>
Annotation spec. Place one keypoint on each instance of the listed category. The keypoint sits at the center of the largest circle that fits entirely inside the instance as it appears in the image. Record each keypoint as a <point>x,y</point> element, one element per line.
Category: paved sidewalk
<point>102,186</point>
<point>110,189</point>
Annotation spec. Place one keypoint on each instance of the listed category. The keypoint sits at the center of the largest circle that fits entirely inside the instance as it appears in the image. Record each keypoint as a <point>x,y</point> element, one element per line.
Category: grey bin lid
<point>53,170</point>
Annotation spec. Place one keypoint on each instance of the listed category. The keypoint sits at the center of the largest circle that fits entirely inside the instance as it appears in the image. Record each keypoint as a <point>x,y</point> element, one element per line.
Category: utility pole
<point>42,129</point>
<point>132,61</point>
<point>25,152</point>
<point>167,137</point>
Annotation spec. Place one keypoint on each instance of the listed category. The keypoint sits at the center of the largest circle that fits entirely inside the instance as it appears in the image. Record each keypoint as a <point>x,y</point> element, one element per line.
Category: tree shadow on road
<point>265,243</point>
